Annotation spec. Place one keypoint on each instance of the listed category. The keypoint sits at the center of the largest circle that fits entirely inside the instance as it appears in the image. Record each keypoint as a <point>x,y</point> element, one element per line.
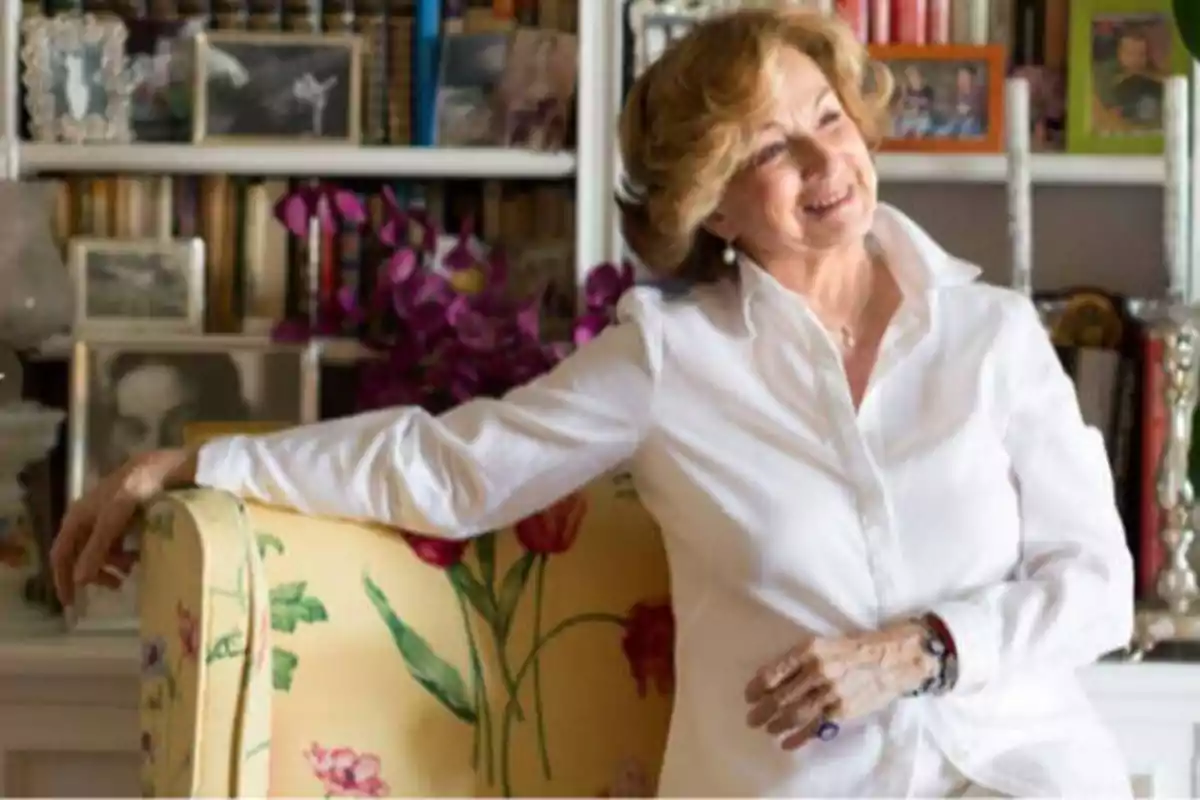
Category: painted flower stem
<point>538,710</point>
<point>526,666</point>
<point>483,728</point>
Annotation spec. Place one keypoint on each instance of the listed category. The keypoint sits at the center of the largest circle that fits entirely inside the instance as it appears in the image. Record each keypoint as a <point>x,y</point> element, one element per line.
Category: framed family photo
<point>133,396</point>
<point>138,286</point>
<point>277,87</point>
<point>1120,53</point>
<point>947,98</point>
<point>76,87</point>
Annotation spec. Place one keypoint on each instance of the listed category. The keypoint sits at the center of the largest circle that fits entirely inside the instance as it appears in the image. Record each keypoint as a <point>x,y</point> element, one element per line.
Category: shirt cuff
<point>976,635</point>
<point>223,464</point>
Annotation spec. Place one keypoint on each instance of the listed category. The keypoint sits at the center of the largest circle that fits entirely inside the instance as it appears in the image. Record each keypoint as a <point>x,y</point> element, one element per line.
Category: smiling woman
<point>717,106</point>
<point>892,538</point>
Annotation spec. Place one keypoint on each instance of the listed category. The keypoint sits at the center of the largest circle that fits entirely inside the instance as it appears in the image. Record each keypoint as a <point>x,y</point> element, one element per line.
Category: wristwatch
<point>938,643</point>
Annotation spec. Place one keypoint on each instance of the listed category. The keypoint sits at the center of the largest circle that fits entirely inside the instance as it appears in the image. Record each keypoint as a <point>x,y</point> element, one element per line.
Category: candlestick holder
<point>1174,615</point>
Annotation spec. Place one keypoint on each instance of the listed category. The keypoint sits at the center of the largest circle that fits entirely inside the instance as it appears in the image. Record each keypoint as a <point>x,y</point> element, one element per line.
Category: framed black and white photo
<point>76,86</point>
<point>143,286</point>
<point>277,87</point>
<point>132,396</point>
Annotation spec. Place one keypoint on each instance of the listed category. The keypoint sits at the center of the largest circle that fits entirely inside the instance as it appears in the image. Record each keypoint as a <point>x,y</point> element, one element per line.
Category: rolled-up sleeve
<point>482,465</point>
<point>1071,600</point>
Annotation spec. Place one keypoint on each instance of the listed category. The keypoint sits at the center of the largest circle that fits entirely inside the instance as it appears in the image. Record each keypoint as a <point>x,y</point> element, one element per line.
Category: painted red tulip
<point>440,553</point>
<point>555,529</point>
<point>649,645</point>
<point>189,631</point>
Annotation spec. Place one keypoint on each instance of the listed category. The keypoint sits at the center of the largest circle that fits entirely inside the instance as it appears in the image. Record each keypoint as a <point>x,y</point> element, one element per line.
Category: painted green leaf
<point>283,668</point>
<point>485,551</point>
<point>267,543</point>
<point>475,592</point>
<point>229,645</point>
<point>438,677</point>
<point>291,605</point>
<point>511,589</point>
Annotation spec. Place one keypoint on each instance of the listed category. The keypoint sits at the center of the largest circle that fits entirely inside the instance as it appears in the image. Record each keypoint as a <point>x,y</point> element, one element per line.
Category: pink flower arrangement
<point>446,334</point>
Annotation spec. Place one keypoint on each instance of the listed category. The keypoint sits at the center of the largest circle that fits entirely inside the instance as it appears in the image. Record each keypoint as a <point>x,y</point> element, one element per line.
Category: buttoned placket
<point>859,436</point>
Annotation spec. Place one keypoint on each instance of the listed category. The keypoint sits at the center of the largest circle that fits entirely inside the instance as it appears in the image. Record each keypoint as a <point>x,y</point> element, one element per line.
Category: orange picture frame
<point>938,104</point>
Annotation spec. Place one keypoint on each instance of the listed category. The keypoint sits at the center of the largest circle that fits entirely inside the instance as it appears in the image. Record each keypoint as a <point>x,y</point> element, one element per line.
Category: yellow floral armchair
<point>293,656</point>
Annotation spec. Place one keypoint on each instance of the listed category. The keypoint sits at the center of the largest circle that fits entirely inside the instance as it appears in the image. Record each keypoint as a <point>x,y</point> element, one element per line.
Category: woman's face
<point>809,185</point>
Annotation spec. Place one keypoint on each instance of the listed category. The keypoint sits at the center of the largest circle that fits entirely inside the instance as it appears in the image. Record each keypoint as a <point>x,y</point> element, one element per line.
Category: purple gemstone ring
<point>827,731</point>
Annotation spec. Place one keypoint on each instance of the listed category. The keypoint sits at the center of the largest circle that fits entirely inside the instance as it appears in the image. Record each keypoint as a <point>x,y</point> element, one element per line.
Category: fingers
<point>71,538</point>
<point>111,524</point>
<point>801,736</point>
<point>771,677</point>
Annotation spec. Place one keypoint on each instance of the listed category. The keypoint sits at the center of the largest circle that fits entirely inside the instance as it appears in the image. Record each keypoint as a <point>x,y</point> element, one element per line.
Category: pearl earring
<point>729,255</point>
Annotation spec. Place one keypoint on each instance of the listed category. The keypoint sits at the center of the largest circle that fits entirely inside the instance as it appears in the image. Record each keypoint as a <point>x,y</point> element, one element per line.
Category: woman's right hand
<point>96,522</point>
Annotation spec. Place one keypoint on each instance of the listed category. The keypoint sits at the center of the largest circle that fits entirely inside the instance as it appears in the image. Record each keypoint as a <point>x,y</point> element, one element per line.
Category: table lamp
<point>36,303</point>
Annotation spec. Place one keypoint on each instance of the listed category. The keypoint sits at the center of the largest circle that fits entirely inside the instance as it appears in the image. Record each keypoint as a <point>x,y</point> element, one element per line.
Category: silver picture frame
<point>96,410</point>
<point>137,286</point>
<point>77,88</point>
<point>657,23</point>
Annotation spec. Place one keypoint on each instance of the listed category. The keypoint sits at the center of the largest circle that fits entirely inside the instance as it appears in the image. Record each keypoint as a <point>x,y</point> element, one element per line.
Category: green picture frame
<point>1112,109</point>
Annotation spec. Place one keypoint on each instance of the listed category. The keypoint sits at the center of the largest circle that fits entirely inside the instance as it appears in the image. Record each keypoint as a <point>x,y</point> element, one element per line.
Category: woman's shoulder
<point>680,303</point>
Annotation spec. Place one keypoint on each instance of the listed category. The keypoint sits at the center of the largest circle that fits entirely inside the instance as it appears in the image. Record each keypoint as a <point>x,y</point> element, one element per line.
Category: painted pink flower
<point>262,636</point>
<point>555,529</point>
<point>649,645</point>
<point>440,553</point>
<point>189,631</point>
<point>344,772</point>
<point>630,779</point>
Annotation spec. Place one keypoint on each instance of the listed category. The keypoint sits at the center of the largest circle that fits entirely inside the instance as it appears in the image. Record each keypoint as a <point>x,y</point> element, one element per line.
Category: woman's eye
<point>830,117</point>
<point>768,154</point>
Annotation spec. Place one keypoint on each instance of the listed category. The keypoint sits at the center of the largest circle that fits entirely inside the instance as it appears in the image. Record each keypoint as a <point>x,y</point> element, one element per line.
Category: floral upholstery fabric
<point>293,656</point>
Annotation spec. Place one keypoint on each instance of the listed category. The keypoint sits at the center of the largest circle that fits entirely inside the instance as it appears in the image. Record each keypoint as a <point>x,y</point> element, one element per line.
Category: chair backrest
<point>312,657</point>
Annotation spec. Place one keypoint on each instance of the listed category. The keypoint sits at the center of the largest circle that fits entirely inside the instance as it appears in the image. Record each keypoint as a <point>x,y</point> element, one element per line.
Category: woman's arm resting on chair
<point>1073,599</point>
<point>479,466</point>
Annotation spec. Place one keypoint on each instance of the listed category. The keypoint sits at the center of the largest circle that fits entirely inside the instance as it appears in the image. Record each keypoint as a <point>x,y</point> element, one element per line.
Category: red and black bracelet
<point>939,643</point>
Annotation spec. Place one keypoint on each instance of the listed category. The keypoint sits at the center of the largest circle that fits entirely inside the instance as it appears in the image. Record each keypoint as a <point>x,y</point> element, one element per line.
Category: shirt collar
<point>920,265</point>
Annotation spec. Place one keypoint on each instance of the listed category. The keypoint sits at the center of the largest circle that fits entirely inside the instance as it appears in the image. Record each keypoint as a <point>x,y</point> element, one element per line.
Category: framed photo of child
<point>1120,53</point>
<point>947,98</point>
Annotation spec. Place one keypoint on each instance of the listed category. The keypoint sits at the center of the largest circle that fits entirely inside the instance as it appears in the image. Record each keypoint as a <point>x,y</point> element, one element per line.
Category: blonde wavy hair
<point>691,118</point>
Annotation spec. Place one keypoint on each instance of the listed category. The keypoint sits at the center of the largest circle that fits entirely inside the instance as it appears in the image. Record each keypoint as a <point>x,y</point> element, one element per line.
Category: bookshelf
<point>1048,169</point>
<point>297,160</point>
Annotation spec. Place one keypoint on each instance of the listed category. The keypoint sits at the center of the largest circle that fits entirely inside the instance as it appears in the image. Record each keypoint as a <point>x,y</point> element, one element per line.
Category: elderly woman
<point>892,538</point>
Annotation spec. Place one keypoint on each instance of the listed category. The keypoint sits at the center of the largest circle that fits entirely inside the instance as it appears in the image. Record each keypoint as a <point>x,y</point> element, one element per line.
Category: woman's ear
<point>721,226</point>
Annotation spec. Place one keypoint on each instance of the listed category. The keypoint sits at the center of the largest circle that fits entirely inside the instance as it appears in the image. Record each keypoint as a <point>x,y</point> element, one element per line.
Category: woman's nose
<point>811,156</point>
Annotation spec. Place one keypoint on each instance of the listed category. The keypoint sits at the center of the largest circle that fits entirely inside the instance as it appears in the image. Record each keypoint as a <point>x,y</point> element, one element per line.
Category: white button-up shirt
<point>966,484</point>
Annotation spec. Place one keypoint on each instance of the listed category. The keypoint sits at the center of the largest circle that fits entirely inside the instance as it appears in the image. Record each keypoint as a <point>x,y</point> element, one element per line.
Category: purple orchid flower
<point>332,205</point>
<point>406,227</point>
<point>605,284</point>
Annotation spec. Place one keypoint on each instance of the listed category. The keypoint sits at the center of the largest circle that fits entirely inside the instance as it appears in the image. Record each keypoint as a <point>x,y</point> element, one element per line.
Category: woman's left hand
<point>837,679</point>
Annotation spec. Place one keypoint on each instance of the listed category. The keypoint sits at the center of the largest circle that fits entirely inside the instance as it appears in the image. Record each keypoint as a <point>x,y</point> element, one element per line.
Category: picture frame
<point>77,89</point>
<point>538,87</point>
<point>947,99</point>
<point>137,286</point>
<point>654,24</point>
<point>129,396</point>
<point>1119,53</point>
<point>246,90</point>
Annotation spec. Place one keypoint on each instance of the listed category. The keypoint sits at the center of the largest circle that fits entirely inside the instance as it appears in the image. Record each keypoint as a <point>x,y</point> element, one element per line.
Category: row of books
<point>256,272</point>
<point>401,40</point>
<point>1116,365</point>
<point>1030,28</point>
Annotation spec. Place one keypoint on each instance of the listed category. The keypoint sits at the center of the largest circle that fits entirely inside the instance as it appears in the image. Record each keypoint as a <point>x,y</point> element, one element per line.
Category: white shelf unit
<point>1048,169</point>
<point>297,160</point>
